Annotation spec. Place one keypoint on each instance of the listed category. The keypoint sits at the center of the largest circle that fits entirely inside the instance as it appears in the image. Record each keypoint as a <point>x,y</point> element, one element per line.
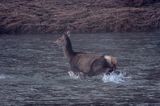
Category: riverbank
<point>51,16</point>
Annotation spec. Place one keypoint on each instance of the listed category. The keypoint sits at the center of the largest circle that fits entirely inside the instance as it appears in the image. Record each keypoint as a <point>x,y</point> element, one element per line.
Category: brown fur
<point>86,63</point>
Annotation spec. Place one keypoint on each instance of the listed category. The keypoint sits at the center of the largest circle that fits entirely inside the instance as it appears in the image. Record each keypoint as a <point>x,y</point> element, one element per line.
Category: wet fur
<point>88,64</point>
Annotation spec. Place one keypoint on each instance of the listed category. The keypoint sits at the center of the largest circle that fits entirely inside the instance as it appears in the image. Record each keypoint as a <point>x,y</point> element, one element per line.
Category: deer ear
<point>68,33</point>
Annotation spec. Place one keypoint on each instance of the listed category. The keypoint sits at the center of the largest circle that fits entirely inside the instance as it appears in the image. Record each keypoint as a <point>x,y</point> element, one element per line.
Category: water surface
<point>33,70</point>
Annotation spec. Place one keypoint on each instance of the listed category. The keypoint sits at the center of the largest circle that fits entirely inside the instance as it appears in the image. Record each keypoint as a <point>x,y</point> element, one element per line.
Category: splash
<point>115,78</point>
<point>73,76</point>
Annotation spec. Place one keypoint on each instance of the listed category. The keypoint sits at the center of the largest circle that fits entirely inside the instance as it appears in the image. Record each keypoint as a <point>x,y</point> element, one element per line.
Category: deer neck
<point>68,51</point>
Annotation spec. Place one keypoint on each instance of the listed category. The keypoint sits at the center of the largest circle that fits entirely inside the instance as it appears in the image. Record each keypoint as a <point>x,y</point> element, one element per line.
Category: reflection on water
<point>2,76</point>
<point>33,70</point>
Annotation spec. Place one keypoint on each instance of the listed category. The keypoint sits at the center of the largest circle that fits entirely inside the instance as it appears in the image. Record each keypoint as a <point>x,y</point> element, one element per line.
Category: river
<point>33,71</point>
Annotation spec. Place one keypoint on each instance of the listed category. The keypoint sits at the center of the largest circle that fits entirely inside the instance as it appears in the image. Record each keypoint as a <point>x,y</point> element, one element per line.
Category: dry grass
<point>49,16</point>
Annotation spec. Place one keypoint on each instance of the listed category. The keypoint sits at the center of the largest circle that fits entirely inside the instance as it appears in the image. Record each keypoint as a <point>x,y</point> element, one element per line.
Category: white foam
<point>73,76</point>
<point>112,77</point>
<point>115,78</point>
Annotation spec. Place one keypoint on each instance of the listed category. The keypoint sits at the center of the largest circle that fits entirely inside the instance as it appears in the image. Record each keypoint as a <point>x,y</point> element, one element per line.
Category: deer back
<point>82,62</point>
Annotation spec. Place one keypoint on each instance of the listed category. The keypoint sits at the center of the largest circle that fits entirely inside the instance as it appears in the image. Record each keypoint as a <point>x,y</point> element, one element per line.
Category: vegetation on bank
<point>51,16</point>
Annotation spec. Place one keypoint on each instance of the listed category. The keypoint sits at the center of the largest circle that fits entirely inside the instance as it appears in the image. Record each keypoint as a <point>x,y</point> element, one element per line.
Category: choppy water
<point>33,71</point>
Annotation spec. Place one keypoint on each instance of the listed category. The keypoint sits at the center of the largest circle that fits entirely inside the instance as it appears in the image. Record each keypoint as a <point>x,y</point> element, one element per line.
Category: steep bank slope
<point>49,16</point>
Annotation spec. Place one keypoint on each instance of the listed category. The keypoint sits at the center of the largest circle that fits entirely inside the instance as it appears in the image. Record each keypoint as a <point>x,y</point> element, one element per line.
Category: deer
<point>85,64</point>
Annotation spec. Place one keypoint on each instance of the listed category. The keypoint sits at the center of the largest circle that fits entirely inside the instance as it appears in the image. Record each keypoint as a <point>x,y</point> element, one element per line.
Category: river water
<point>33,71</point>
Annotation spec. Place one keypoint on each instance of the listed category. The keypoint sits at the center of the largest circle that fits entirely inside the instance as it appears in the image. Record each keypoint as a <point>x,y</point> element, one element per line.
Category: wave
<point>2,76</point>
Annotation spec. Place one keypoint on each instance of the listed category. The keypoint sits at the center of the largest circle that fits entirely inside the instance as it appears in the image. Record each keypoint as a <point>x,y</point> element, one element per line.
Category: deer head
<point>62,41</point>
<point>66,45</point>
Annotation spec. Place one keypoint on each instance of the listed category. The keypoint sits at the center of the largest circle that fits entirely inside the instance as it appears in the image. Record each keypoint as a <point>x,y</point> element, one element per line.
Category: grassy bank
<point>50,16</point>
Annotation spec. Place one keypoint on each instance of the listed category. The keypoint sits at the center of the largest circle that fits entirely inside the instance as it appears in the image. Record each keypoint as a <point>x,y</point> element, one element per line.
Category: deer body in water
<point>88,64</point>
